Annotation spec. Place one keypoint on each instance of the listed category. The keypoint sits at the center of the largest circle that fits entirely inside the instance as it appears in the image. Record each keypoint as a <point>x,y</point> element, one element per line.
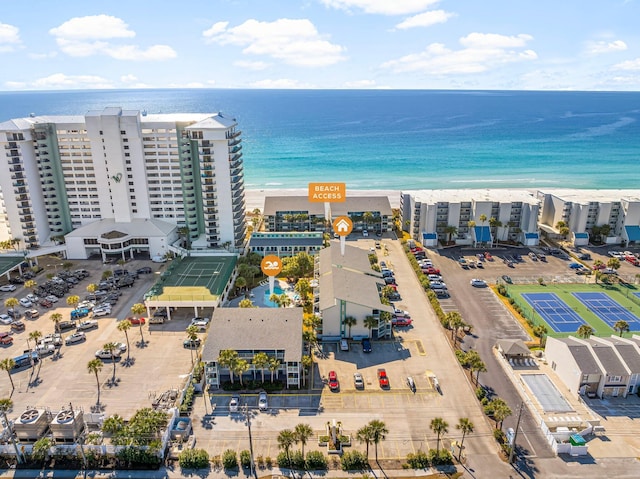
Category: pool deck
<point>257,294</point>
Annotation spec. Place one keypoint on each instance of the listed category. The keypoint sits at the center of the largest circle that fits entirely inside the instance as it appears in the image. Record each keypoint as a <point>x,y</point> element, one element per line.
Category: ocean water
<point>401,139</point>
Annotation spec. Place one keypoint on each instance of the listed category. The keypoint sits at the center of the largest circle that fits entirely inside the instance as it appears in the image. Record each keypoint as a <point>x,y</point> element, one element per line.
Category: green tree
<point>613,263</point>
<point>379,433</point>
<point>73,301</point>
<point>540,331</point>
<point>466,426</point>
<point>585,331</point>
<point>274,365</point>
<point>30,285</point>
<point>284,300</point>
<point>138,309</point>
<point>124,326</point>
<point>302,433</point>
<point>111,348</point>
<point>450,230</point>
<point>439,426</point>
<point>276,299</point>
<point>7,364</point>
<point>192,335</point>
<point>349,321</point>
<point>240,367</point>
<point>286,439</point>
<point>227,359</point>
<point>94,367</point>
<point>35,337</point>
<point>261,361</point>
<point>483,218</point>
<point>11,303</point>
<point>501,411</point>
<point>621,326</point>
<point>455,322</point>
<point>370,322</point>
<point>246,303</point>
<point>309,337</point>
<point>41,448</point>
<point>92,288</point>
<point>185,234</point>
<point>494,224</point>
<point>365,435</point>
<point>241,283</point>
<point>475,364</point>
<point>298,266</point>
<point>56,318</point>
<point>307,362</point>
<point>367,217</point>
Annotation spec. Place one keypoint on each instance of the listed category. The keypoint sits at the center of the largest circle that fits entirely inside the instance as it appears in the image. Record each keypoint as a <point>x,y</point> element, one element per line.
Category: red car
<point>599,266</point>
<point>383,379</point>
<point>401,322</point>
<point>45,303</point>
<point>488,256</point>
<point>137,321</point>
<point>431,270</point>
<point>334,385</point>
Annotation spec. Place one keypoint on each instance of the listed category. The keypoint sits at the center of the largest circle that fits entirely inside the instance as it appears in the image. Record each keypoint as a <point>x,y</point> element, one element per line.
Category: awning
<point>633,233</point>
<point>429,236</point>
<point>581,235</point>
<point>532,236</point>
<point>483,234</point>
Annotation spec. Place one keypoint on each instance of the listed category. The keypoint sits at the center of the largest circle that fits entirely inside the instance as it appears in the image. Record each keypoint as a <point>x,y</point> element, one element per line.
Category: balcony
<point>234,134</point>
<point>234,141</point>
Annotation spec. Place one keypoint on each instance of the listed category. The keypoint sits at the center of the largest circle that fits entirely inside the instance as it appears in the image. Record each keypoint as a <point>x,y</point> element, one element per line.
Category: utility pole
<point>247,415</point>
<point>515,434</point>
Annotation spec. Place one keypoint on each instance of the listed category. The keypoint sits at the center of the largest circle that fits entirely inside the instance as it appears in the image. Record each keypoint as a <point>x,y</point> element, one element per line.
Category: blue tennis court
<point>555,312</point>
<point>608,310</point>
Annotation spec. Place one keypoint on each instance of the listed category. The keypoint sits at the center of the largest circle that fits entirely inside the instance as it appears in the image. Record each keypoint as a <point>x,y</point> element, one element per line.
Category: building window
<point>122,132</point>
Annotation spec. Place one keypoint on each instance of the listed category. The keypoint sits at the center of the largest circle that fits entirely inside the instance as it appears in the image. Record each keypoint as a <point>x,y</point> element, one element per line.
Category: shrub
<point>260,461</point>
<point>229,459</point>
<point>268,462</point>
<point>419,460</point>
<point>316,461</point>
<point>502,290</point>
<point>294,461</point>
<point>512,301</point>
<point>354,461</point>
<point>193,459</point>
<point>481,393</point>
<point>500,436</point>
<point>245,458</point>
<point>439,458</point>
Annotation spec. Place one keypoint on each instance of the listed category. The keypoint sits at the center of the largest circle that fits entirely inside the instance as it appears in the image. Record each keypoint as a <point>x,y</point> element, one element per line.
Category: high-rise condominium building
<point>122,179</point>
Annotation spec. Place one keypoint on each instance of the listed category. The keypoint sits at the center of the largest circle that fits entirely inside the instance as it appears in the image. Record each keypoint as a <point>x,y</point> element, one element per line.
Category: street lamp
<point>247,415</point>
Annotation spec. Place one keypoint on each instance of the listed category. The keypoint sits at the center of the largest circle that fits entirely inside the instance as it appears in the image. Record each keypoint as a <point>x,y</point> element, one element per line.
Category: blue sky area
<point>422,44</point>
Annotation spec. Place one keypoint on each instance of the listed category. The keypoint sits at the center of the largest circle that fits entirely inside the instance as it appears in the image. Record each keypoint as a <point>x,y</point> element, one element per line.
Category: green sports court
<point>194,278</point>
<point>562,308</point>
<point>7,263</point>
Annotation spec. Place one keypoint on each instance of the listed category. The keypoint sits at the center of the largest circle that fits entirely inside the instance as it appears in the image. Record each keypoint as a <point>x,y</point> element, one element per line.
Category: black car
<point>65,325</point>
<point>125,281</point>
<point>145,270</point>
<point>366,345</point>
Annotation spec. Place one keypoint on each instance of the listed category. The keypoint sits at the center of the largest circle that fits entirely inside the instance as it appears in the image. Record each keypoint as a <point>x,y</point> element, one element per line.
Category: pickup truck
<point>383,379</point>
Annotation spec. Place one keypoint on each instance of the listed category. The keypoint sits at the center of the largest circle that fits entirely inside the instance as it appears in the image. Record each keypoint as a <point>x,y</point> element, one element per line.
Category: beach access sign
<point>327,192</point>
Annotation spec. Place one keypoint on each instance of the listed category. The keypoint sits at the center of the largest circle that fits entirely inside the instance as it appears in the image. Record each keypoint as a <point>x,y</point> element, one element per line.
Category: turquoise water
<point>267,294</point>
<point>401,139</point>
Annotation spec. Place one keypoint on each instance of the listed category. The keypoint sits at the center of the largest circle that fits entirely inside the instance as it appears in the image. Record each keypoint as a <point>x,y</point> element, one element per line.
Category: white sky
<point>421,44</point>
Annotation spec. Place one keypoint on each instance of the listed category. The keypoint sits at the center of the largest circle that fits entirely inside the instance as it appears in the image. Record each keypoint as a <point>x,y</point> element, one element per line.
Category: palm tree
<point>11,303</point>
<point>307,362</point>
<point>241,283</point>
<point>302,433</point>
<point>621,326</point>
<point>450,230</point>
<point>185,234</point>
<point>585,331</point>
<point>454,319</point>
<point>475,363</point>
<point>613,263</point>
<point>246,303</point>
<point>73,301</point>
<point>95,366</point>
<point>540,331</point>
<point>501,411</point>
<point>286,439</point>
<point>124,326</point>
<point>370,322</point>
<point>30,284</point>
<point>261,361</point>
<point>138,309</point>
<point>365,434</point>
<point>35,337</point>
<point>466,426</point>
<point>227,359</point>
<point>56,318</point>
<point>495,223</point>
<point>274,298</point>
<point>284,300</point>
<point>7,364</point>
<point>367,217</point>
<point>439,426</point>
<point>378,433</point>
<point>192,335</point>
<point>274,365</point>
<point>112,348</point>
<point>310,337</point>
<point>240,367</point>
<point>92,288</point>
<point>349,321</point>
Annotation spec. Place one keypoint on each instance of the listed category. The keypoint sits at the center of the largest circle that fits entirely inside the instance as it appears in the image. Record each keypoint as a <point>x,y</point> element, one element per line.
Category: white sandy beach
<point>255,198</point>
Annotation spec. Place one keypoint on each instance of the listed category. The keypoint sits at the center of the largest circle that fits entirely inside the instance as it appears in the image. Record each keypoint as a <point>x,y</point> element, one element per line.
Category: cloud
<point>42,56</point>
<point>291,41</point>
<point>281,83</point>
<point>383,7</point>
<point>481,52</point>
<point>251,65</point>
<point>9,37</point>
<point>629,65</point>
<point>59,81</point>
<point>602,46</point>
<point>425,19</point>
<point>128,78</point>
<point>95,35</point>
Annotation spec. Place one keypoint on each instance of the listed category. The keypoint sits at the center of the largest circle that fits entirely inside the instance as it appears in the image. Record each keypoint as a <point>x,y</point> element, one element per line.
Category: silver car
<point>234,404</point>
<point>358,381</point>
<point>263,402</point>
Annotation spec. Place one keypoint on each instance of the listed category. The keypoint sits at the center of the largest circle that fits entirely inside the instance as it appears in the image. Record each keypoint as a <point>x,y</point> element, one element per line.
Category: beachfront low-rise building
<point>296,213</point>
<point>286,243</point>
<point>475,217</point>
<point>248,331</point>
<point>347,287</point>
<point>607,216</point>
<point>122,167</point>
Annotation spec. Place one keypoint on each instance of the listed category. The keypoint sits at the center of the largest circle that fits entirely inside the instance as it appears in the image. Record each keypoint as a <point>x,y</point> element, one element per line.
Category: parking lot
<point>157,365</point>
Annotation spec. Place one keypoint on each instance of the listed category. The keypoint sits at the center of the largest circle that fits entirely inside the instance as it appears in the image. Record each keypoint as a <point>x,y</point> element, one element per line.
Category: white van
<point>344,345</point>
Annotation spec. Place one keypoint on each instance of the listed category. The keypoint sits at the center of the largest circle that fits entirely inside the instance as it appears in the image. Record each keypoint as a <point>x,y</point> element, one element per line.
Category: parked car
<point>45,303</point>
<point>575,265</point>
<point>18,326</point>
<point>15,314</point>
<point>191,343</point>
<point>6,319</point>
<point>52,298</point>
<point>25,302</point>
<point>145,270</point>
<point>432,270</point>
<point>6,338</point>
<point>334,385</point>
<point>136,321</point>
<point>358,382</point>
<point>200,323</point>
<point>7,288</point>
<point>383,379</point>
<point>366,345</point>
<point>79,313</point>
<point>400,322</point>
<point>64,325</point>
<point>234,404</point>
<point>44,349</point>
<point>101,311</point>
<point>344,345</point>
<point>263,402</point>
<point>479,283</point>
<point>76,337</point>
<point>104,354</point>
<point>86,325</point>
<point>399,313</point>
<point>507,279</point>
<point>411,383</point>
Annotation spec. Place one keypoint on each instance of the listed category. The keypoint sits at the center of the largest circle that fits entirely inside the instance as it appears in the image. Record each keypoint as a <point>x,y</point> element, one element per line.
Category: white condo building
<point>470,217</point>
<point>115,181</point>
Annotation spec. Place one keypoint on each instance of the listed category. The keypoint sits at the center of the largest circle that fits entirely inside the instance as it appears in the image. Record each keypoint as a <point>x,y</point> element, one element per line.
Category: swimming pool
<point>267,294</point>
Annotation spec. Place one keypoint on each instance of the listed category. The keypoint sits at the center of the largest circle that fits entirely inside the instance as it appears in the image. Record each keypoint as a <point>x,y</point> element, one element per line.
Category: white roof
<point>502,195</point>
<point>142,228</point>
